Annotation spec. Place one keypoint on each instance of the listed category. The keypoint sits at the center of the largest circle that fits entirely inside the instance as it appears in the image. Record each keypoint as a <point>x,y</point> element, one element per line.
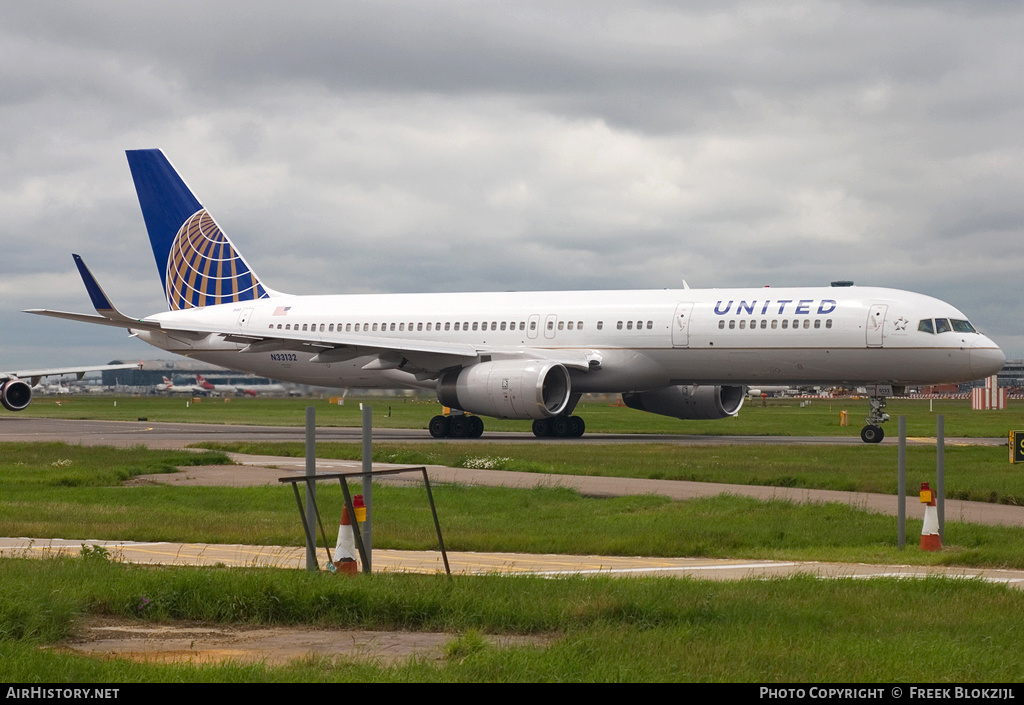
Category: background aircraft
<point>169,387</point>
<point>688,354</point>
<point>16,392</point>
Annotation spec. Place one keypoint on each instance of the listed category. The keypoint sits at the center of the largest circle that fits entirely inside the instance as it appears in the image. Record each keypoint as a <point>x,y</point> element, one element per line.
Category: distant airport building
<point>181,371</point>
<point>1012,374</point>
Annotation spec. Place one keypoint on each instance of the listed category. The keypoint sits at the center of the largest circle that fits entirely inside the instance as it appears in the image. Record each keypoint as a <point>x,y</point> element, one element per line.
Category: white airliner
<point>686,353</point>
<point>16,392</point>
<point>169,387</point>
<point>201,383</point>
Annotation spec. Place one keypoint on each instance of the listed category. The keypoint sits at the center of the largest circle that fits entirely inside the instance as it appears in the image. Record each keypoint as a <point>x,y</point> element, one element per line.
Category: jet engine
<point>15,395</point>
<point>507,389</point>
<point>696,402</point>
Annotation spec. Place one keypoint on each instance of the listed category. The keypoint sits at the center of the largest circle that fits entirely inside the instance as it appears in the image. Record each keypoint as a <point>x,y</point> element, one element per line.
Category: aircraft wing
<point>36,375</point>
<point>411,354</point>
<point>390,352</point>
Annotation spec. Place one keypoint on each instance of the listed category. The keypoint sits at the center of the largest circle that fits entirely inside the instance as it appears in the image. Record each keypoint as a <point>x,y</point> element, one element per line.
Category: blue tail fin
<point>198,264</point>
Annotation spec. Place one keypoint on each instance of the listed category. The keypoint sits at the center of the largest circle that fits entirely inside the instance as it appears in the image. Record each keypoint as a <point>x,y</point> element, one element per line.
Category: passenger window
<point>618,325</point>
<point>721,325</point>
<point>600,325</point>
<point>629,325</point>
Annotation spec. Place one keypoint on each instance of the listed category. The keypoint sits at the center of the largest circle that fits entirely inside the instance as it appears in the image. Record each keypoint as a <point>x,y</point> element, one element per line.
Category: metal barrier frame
<point>342,478</point>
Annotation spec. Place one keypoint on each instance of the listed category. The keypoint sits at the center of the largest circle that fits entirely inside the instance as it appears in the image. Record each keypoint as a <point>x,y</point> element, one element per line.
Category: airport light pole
<point>311,563</point>
<point>367,527</point>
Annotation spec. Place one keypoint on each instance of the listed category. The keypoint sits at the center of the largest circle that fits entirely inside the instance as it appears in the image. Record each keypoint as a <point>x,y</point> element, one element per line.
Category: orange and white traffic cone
<point>345,550</point>
<point>930,538</point>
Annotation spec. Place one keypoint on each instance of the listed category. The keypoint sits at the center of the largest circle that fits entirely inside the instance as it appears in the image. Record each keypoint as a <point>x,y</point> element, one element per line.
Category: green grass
<point>978,473</point>
<point>596,630</point>
<point>54,490</point>
<point>784,417</point>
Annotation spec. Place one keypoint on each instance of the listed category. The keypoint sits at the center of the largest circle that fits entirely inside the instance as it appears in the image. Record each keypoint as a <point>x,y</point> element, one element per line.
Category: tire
<point>458,426</point>
<point>438,427</point>
<point>561,426</point>
<point>872,434</point>
<point>541,428</point>
<point>578,427</point>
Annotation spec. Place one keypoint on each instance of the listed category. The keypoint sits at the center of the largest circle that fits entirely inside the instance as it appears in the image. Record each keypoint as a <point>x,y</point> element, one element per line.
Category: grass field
<point>784,417</point>
<point>596,630</point>
<point>798,630</point>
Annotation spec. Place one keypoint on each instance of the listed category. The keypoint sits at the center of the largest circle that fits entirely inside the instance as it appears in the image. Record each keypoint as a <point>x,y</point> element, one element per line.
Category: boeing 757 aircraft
<point>685,353</point>
<point>16,393</point>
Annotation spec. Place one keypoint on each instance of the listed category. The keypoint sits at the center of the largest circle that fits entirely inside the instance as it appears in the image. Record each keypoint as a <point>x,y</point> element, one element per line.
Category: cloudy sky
<point>409,145</point>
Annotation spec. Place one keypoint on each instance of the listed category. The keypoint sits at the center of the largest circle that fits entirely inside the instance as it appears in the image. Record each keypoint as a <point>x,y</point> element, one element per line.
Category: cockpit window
<point>945,325</point>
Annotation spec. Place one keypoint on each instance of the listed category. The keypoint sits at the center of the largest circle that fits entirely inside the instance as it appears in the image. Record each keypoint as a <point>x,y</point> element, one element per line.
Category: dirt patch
<point>210,643</point>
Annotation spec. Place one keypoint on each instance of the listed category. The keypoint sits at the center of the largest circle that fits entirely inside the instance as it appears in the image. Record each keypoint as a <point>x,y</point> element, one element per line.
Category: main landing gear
<point>872,431</point>
<point>561,426</point>
<point>456,426</point>
<point>466,426</point>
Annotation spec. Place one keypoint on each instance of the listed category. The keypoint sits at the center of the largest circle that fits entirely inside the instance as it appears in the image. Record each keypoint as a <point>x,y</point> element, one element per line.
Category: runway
<point>175,435</point>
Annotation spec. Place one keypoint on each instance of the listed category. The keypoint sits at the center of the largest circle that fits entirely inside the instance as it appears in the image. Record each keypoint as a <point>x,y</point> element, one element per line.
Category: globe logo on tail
<point>203,268</point>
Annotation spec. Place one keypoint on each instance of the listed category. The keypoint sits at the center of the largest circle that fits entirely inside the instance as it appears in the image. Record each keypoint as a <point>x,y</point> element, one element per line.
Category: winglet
<point>99,299</point>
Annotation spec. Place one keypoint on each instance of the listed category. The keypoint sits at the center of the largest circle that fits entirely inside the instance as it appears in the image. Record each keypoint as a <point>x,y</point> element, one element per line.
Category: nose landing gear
<point>872,431</point>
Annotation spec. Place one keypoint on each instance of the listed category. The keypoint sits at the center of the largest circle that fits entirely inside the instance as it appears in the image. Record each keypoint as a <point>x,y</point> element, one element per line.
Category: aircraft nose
<point>986,358</point>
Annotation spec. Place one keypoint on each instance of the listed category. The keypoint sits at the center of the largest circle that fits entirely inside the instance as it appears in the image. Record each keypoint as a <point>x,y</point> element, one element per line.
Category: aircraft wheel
<point>541,428</point>
<point>476,427</point>
<point>438,427</point>
<point>561,426</point>
<point>458,426</point>
<point>578,427</point>
<point>872,434</point>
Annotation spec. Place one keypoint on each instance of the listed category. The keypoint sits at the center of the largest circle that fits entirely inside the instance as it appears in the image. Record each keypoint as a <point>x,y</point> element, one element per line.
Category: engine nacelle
<point>507,389</point>
<point>697,402</point>
<point>15,395</point>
